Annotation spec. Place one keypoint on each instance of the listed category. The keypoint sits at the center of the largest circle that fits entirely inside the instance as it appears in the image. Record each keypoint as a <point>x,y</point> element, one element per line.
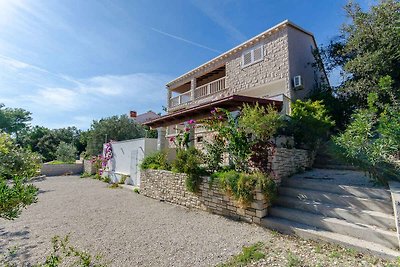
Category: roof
<point>149,115</point>
<point>243,46</point>
<point>201,111</point>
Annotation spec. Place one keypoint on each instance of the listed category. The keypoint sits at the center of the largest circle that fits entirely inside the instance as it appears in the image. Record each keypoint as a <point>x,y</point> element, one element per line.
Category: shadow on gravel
<point>20,251</point>
<point>45,191</point>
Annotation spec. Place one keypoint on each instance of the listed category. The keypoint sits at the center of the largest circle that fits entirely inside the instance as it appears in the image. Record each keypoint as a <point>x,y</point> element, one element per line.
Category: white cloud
<point>58,100</point>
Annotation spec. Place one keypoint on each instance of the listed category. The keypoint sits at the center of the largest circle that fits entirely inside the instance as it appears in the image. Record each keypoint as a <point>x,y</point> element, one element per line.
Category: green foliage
<point>66,152</point>
<point>214,153</point>
<point>114,186</point>
<point>239,136</point>
<point>15,161</point>
<point>46,141</point>
<point>367,50</point>
<point>123,179</point>
<point>249,254</point>
<point>372,140</point>
<point>235,139</point>
<point>136,190</point>
<point>293,260</point>
<point>117,128</point>
<point>106,179</point>
<point>241,186</point>
<point>188,161</point>
<point>259,121</point>
<point>156,161</point>
<point>309,123</point>
<point>13,198</point>
<point>64,253</point>
<point>13,120</point>
<point>86,175</point>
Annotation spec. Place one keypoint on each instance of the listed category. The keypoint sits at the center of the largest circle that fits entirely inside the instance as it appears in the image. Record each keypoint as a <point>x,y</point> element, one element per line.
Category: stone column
<point>161,140</point>
<point>192,88</point>
<point>169,95</point>
<point>191,135</point>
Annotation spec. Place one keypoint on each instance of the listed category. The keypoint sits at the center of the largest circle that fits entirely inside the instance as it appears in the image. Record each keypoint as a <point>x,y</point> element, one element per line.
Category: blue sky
<point>69,62</point>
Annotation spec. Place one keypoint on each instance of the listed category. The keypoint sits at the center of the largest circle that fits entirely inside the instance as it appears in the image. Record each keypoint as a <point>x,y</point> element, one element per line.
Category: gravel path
<point>126,228</point>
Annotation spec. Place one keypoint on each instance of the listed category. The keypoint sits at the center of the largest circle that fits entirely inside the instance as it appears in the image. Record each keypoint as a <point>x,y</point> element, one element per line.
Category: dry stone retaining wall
<point>170,187</point>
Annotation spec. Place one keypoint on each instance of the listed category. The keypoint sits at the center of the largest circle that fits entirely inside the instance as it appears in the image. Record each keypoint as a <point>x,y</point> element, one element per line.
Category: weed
<point>86,175</point>
<point>249,254</point>
<point>293,260</point>
<point>136,190</point>
<point>334,254</point>
<point>114,186</point>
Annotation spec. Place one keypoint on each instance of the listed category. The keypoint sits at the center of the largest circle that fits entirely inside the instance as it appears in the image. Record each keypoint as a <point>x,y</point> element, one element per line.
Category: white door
<point>134,166</point>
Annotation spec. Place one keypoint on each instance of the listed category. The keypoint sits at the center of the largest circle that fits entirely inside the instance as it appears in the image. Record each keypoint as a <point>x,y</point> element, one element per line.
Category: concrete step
<point>308,232</point>
<point>380,205</point>
<point>353,215</point>
<point>335,166</point>
<point>361,231</point>
<point>357,191</point>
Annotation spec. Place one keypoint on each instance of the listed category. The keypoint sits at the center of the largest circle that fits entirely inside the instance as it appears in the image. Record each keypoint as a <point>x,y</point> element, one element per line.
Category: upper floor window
<point>251,56</point>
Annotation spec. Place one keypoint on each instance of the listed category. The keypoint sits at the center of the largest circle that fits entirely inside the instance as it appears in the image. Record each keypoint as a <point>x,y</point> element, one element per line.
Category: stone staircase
<point>338,206</point>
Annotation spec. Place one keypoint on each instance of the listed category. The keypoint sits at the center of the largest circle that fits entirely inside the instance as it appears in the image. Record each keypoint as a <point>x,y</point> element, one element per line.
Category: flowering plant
<point>183,138</point>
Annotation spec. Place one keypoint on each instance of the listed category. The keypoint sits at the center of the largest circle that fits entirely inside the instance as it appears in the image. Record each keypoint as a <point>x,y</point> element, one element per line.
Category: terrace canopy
<point>233,102</point>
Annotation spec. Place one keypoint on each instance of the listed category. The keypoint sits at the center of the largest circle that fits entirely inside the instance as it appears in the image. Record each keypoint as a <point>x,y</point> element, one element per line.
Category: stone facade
<point>170,187</point>
<point>61,169</point>
<point>274,66</point>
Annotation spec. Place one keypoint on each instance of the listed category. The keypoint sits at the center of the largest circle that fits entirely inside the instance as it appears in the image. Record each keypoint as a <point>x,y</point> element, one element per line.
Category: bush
<point>214,154</point>
<point>66,152</point>
<point>309,123</point>
<point>16,161</point>
<point>156,161</point>
<point>372,141</point>
<point>16,197</point>
<point>241,186</point>
<point>189,161</point>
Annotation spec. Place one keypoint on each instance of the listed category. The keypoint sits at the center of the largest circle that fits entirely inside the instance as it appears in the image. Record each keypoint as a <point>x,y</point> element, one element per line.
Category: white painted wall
<point>127,157</point>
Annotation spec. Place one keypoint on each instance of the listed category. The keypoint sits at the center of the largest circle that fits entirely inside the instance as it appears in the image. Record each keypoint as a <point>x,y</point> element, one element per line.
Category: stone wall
<point>88,167</point>
<point>61,169</point>
<point>286,162</point>
<point>170,187</point>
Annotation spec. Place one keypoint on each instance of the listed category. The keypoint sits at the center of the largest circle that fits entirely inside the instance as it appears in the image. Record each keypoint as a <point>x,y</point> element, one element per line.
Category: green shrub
<point>66,152</point>
<point>156,161</point>
<point>189,161</point>
<point>241,186</point>
<point>214,154</point>
<point>15,197</point>
<point>372,140</point>
<point>309,123</point>
<point>16,161</point>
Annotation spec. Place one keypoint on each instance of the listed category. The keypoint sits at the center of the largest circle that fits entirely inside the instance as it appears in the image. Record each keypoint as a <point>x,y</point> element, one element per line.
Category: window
<point>254,55</point>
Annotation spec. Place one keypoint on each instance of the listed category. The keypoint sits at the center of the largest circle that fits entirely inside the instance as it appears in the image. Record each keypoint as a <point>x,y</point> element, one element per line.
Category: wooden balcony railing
<point>201,91</point>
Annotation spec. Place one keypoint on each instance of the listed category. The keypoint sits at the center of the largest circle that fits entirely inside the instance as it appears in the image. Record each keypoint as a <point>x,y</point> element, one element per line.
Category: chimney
<point>132,114</point>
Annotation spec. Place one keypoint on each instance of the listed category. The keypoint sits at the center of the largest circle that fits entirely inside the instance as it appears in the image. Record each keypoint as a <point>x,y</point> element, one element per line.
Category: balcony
<point>200,92</point>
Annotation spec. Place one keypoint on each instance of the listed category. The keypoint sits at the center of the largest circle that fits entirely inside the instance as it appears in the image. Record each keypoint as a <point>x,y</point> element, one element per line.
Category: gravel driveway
<point>126,228</point>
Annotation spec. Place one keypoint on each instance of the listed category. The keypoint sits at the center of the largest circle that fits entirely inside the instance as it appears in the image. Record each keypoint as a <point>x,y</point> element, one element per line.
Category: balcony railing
<point>201,91</point>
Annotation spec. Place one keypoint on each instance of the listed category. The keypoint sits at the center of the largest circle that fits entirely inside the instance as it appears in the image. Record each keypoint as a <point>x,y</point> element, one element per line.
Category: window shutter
<point>258,53</point>
<point>247,58</point>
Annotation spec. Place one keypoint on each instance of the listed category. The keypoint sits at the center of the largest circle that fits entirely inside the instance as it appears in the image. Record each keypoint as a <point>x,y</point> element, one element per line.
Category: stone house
<point>274,67</point>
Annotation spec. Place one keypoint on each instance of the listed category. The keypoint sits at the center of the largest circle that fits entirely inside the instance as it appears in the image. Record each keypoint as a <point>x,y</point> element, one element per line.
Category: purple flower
<point>192,121</point>
<point>172,139</point>
<point>187,129</point>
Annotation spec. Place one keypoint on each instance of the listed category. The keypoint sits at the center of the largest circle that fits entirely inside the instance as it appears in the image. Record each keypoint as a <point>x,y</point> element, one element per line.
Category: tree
<point>13,120</point>
<point>17,164</point>
<point>45,141</point>
<point>66,152</point>
<point>115,128</point>
<point>367,50</point>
